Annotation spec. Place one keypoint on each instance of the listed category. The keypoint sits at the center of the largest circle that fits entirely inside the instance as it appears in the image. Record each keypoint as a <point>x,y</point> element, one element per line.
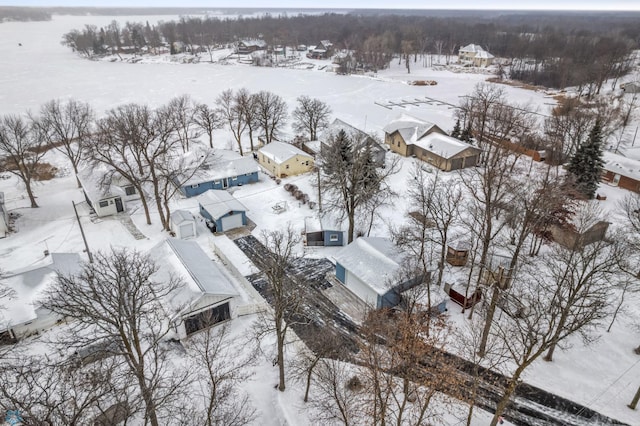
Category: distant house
<point>317,234</point>
<point>222,210</point>
<point>4,217</point>
<point>207,298</point>
<point>322,50</point>
<point>631,87</point>
<point>105,191</point>
<point>23,315</point>
<point>370,267</point>
<point>248,46</point>
<point>571,238</point>
<point>378,152</point>
<point>476,55</point>
<point>411,137</point>
<point>283,159</point>
<point>226,169</point>
<point>622,171</point>
<point>183,224</point>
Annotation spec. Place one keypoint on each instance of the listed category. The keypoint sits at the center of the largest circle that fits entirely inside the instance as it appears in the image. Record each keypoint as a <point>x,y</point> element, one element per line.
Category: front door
<point>119,206</point>
<point>225,183</point>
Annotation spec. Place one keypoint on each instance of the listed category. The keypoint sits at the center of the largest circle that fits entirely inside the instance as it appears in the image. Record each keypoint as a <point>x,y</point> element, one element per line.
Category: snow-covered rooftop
<point>91,180</point>
<point>224,164</point>
<point>181,216</point>
<point>281,151</point>
<point>472,48</point>
<point>443,145</point>
<point>30,284</point>
<point>218,203</point>
<point>621,165</point>
<point>374,260</point>
<point>411,128</point>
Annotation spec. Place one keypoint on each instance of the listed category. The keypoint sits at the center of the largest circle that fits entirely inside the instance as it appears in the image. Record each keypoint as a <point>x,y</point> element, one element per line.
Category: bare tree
<point>350,181</point>
<point>21,151</point>
<point>248,107</point>
<point>208,120</point>
<point>271,114</point>
<point>285,294</point>
<point>219,371</point>
<point>182,111</point>
<point>338,392</point>
<point>117,302</point>
<point>233,115</point>
<point>66,127</point>
<point>310,116</point>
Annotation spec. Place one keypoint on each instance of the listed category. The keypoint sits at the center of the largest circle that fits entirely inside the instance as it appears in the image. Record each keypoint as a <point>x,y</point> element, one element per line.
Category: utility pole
<point>84,238</point>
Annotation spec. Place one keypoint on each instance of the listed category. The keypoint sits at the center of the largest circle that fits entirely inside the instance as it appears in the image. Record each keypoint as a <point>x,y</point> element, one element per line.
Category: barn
<point>183,224</point>
<point>207,297</point>
<point>222,210</point>
<point>371,268</point>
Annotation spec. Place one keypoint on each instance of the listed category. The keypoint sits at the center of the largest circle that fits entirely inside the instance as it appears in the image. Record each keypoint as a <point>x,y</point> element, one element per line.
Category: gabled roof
<point>254,42</point>
<point>472,48</point>
<point>201,275</point>
<point>316,224</point>
<point>484,54</point>
<point>414,132</point>
<point>375,261</point>
<point>91,179</point>
<point>279,152</point>
<point>181,216</point>
<point>219,203</point>
<point>621,165</point>
<point>30,284</point>
<point>224,164</point>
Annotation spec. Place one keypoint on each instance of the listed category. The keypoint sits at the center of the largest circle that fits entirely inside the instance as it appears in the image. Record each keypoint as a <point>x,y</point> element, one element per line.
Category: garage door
<point>230,222</point>
<point>362,290</point>
<point>186,230</point>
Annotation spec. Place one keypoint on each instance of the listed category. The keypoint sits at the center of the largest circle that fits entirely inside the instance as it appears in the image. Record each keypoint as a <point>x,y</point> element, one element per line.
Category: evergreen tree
<point>466,134</point>
<point>586,165</point>
<point>455,133</point>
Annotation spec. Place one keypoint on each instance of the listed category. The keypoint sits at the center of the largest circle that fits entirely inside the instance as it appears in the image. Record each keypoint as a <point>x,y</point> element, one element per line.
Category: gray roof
<point>91,180</point>
<point>181,216</point>
<point>219,203</point>
<point>205,273</point>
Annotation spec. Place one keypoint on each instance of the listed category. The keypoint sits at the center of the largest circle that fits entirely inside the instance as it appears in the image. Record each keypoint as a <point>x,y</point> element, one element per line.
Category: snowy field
<point>602,376</point>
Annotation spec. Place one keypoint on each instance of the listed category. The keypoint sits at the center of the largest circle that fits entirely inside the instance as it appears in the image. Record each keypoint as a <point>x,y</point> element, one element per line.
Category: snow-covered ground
<point>602,376</point>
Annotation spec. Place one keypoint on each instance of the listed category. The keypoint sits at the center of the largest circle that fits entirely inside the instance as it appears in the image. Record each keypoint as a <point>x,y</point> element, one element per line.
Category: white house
<point>476,55</point>
<point>183,224</point>
<point>207,297</point>
<point>22,315</point>
<point>106,192</point>
<point>371,268</point>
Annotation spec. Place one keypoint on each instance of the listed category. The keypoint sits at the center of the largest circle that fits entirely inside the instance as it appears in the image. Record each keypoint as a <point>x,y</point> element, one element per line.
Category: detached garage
<point>183,224</point>
<point>370,268</point>
<point>222,210</point>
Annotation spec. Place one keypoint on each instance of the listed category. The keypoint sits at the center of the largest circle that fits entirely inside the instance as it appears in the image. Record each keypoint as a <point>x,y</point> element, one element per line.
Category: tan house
<point>283,159</point>
<point>412,137</point>
<point>475,55</point>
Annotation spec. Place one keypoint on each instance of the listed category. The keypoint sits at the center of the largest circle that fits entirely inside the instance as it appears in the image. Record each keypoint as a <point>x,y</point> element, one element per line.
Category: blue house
<point>371,268</point>
<point>226,169</point>
<point>316,234</point>
<point>222,210</point>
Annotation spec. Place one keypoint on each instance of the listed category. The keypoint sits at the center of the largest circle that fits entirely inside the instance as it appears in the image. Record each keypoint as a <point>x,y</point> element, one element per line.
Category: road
<point>530,406</point>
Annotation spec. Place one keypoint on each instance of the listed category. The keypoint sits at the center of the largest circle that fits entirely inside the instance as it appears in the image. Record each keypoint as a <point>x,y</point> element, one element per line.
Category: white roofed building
<point>282,159</point>
<point>371,268</point>
<point>622,171</point>
<point>412,137</point>
<point>476,55</point>
<point>222,210</point>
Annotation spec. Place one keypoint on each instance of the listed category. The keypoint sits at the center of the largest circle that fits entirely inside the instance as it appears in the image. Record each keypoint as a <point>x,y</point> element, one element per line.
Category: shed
<point>183,224</point>
<point>370,267</point>
<point>24,315</point>
<point>208,296</point>
<point>222,209</point>
<point>316,234</point>
<point>226,169</point>
<point>457,294</point>
<point>4,217</point>
<point>283,159</point>
<point>458,252</point>
<point>631,87</point>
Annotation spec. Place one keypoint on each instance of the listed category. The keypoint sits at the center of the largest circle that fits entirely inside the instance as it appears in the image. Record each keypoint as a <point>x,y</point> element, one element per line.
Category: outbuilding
<point>222,210</point>
<point>183,224</point>
<point>316,234</point>
<point>102,194</point>
<point>371,268</point>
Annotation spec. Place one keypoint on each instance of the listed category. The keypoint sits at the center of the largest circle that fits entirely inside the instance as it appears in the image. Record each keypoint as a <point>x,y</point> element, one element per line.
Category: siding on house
<point>218,206</point>
<point>282,159</point>
<point>227,169</point>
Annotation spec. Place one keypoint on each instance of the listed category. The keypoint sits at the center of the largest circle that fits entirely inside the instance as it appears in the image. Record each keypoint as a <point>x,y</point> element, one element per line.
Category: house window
<point>206,319</point>
<point>287,166</point>
<point>217,182</point>
<point>103,203</point>
<point>129,190</point>
<point>306,163</point>
<point>234,178</point>
<point>196,185</point>
<point>333,238</point>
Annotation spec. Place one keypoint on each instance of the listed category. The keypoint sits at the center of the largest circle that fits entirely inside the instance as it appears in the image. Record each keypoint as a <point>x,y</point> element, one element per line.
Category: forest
<point>557,52</point>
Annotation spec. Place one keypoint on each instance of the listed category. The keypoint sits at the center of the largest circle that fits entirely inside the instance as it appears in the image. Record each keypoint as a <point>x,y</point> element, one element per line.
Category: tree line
<point>557,52</point>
